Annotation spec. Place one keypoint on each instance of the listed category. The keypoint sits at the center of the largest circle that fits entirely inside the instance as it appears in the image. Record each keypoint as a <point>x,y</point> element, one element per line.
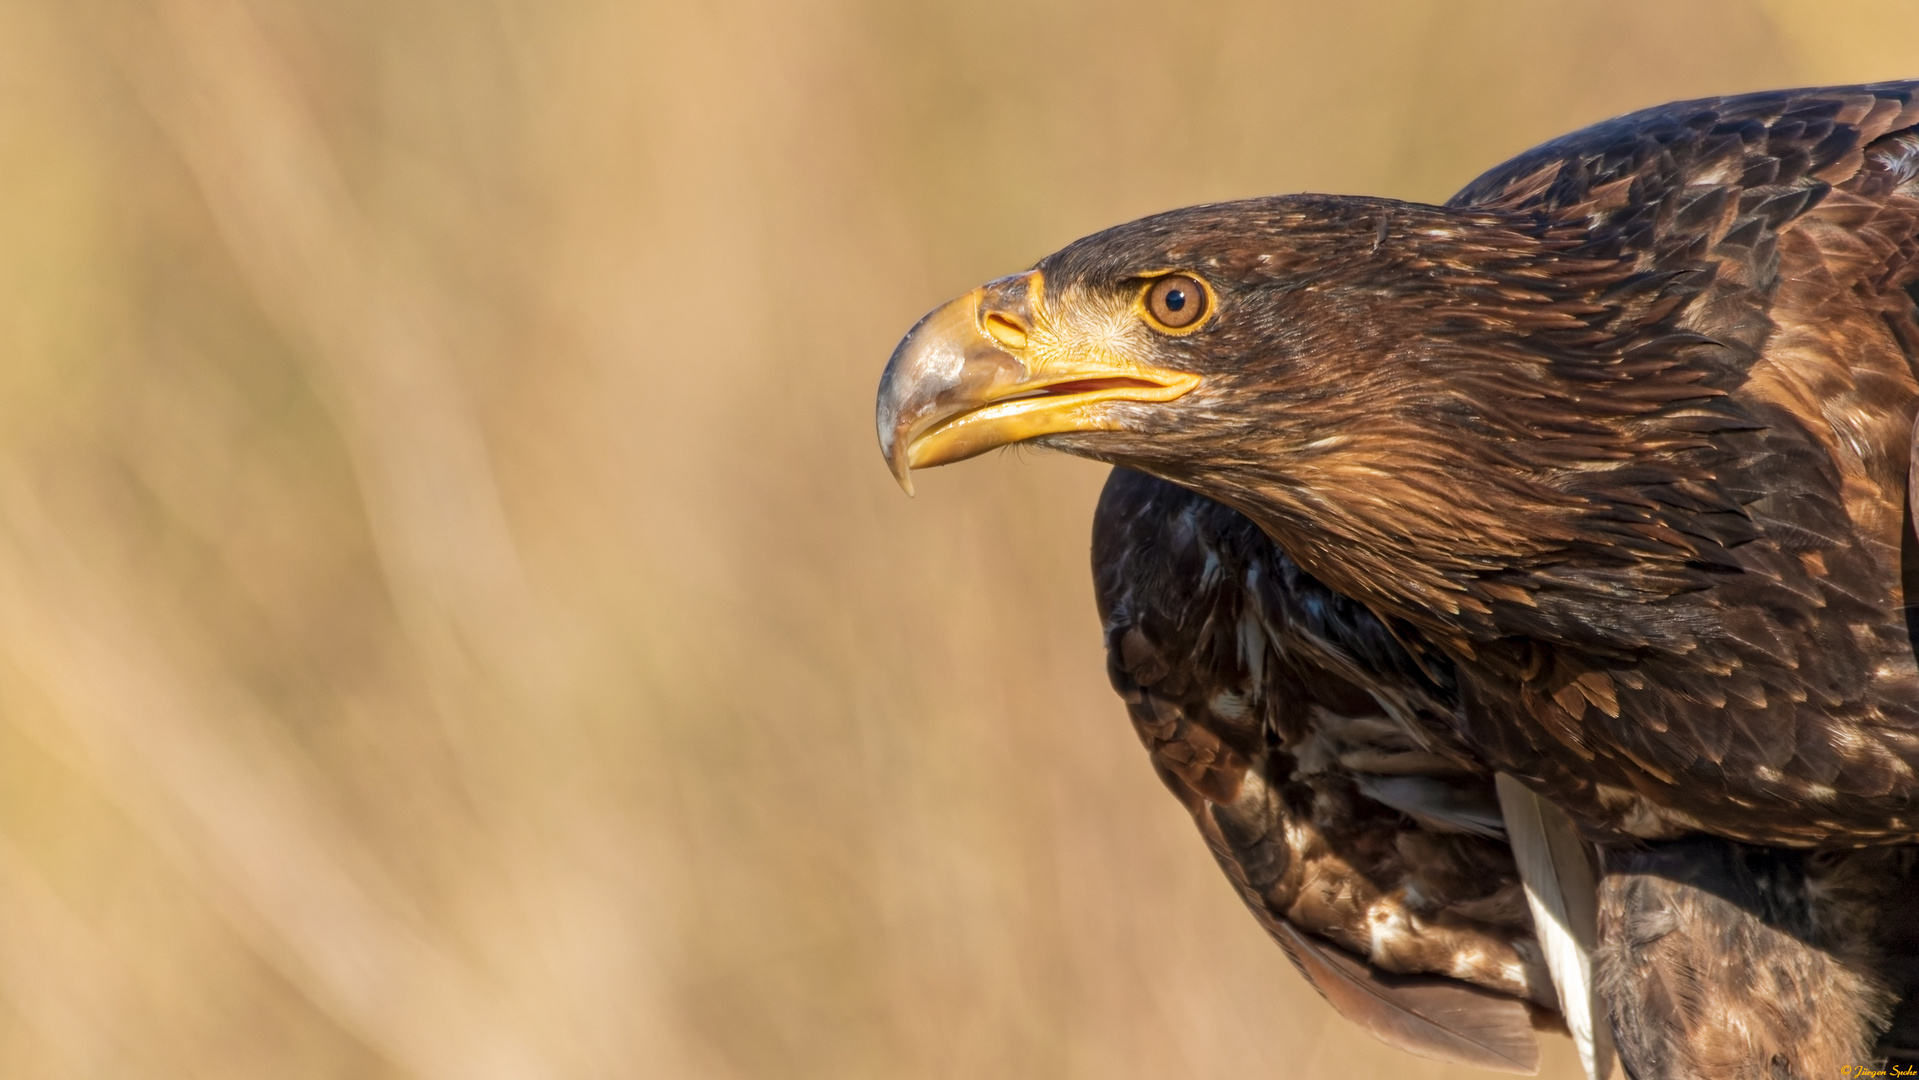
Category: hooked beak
<point>969,377</point>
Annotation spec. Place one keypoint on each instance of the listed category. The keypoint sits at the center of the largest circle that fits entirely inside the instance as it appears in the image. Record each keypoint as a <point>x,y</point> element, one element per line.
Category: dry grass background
<point>454,622</point>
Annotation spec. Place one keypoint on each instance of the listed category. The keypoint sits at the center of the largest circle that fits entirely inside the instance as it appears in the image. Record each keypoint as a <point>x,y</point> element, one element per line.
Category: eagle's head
<point>1410,398</point>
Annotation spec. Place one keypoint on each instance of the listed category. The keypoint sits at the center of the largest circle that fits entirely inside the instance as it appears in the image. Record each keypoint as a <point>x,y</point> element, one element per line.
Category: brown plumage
<point>1278,711</point>
<point>1613,448</point>
<point>1246,682</point>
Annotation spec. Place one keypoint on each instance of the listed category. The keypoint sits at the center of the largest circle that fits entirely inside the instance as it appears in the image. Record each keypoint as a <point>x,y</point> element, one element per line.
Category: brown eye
<point>1176,302</point>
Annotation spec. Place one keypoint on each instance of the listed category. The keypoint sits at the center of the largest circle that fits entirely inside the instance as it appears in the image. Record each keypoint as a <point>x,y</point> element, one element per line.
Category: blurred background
<point>454,621</point>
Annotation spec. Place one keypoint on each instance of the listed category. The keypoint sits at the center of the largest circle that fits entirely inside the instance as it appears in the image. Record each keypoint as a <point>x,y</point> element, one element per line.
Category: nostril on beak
<point>1006,330</point>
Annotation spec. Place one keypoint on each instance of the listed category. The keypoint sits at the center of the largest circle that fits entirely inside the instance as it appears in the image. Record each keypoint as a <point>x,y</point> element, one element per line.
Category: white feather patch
<point>1563,892</point>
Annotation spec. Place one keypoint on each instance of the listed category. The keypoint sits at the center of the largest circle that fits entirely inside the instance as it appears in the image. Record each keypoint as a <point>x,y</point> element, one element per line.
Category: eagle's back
<point>1774,696</point>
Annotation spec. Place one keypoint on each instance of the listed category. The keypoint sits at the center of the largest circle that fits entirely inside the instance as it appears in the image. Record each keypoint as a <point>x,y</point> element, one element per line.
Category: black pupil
<point>1175,299</point>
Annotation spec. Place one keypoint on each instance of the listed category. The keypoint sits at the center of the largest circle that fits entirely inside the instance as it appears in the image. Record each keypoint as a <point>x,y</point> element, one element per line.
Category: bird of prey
<point>1515,590</point>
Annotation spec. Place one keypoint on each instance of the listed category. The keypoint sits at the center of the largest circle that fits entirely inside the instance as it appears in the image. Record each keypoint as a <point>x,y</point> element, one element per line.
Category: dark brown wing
<point>1795,216</point>
<point>1310,750</point>
<point>1774,695</point>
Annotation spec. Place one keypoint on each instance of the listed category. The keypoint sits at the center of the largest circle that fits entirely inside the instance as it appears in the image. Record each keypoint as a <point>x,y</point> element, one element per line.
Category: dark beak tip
<point>893,444</point>
<point>893,447</point>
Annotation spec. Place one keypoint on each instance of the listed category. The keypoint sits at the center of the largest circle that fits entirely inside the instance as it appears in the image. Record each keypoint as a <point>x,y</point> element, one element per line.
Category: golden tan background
<point>454,622</point>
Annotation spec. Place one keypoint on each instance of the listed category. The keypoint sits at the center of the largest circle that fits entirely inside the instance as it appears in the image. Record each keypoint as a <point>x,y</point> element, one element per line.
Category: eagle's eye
<point>1176,302</point>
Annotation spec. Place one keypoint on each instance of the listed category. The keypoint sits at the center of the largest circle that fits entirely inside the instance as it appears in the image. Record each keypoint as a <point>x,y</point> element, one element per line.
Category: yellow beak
<point>969,377</point>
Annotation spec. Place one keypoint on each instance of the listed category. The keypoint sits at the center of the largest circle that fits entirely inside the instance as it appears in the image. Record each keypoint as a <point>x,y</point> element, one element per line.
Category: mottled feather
<point>1239,673</point>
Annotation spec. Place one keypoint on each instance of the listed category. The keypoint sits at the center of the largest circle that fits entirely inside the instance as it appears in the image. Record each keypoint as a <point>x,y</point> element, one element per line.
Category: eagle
<point>1514,590</point>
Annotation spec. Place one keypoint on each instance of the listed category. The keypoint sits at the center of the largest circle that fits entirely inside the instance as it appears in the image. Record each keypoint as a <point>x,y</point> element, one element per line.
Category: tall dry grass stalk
<point>454,623</point>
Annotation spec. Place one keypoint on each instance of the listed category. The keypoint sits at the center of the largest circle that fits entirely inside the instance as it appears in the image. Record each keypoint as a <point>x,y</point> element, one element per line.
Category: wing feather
<point>1256,690</point>
<point>1442,1019</point>
<point>1562,890</point>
